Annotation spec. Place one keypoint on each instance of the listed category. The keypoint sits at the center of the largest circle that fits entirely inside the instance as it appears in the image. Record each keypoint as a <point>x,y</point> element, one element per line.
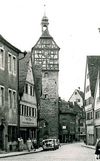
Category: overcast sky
<point>73,25</point>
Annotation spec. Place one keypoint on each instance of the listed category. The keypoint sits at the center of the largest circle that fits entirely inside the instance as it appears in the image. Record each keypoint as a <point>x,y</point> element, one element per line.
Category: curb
<point>18,154</point>
<point>88,147</point>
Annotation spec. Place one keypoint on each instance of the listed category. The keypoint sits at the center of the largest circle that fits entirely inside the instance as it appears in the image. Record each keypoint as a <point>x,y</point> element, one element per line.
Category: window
<point>1,96</point>
<point>2,58</point>
<point>12,65</point>
<point>46,74</point>
<point>9,62</point>
<point>26,88</point>
<point>14,99</point>
<point>9,98</point>
<point>31,91</point>
<point>33,112</point>
<point>29,111</point>
<point>78,100</point>
<point>89,115</point>
<point>88,101</point>
<point>97,114</point>
<point>25,110</point>
<point>22,110</point>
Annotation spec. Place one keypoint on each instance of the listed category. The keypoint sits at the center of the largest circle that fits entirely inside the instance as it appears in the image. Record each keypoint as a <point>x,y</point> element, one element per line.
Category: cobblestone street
<point>67,152</point>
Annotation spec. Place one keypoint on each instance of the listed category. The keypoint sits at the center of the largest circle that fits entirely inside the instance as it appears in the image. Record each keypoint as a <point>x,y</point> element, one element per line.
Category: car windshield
<point>48,141</point>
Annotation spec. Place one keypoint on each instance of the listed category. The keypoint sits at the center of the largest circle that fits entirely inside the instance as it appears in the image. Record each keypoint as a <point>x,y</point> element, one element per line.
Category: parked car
<point>50,144</point>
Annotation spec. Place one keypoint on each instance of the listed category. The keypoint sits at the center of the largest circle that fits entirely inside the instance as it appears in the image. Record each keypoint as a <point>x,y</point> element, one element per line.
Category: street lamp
<point>18,96</point>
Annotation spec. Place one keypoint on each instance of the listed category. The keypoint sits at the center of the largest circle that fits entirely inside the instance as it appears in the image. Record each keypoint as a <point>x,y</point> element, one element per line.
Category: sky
<point>72,23</point>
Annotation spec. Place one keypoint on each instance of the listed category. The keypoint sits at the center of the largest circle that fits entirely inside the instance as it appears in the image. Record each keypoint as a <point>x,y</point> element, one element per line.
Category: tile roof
<point>23,68</point>
<point>81,93</point>
<point>37,69</point>
<point>93,63</point>
<point>3,40</point>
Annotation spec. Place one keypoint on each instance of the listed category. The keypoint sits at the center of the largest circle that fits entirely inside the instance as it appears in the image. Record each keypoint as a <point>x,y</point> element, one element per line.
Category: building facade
<point>46,54</point>
<point>77,97</point>
<point>97,109</point>
<point>67,122</point>
<point>8,93</point>
<point>91,74</point>
<point>28,100</point>
<point>71,122</point>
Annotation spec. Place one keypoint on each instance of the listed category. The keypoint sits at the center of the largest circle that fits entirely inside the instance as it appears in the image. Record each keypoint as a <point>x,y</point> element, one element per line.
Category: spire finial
<point>44,9</point>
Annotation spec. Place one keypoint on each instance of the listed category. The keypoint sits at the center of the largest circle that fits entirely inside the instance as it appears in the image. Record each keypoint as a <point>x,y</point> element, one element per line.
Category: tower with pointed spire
<point>45,53</point>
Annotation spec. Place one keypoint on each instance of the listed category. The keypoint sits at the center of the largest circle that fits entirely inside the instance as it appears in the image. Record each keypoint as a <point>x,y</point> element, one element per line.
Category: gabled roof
<point>80,93</point>
<point>23,69</point>
<point>9,45</point>
<point>93,63</point>
<point>45,38</point>
<point>37,70</point>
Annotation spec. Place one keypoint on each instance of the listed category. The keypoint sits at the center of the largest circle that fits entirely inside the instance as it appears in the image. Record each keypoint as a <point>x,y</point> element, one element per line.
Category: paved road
<point>68,152</point>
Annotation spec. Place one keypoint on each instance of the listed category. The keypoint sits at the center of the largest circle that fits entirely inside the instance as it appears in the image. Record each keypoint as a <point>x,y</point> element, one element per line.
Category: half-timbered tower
<point>45,53</point>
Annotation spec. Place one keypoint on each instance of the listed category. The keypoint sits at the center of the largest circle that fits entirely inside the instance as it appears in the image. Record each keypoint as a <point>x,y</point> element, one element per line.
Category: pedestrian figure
<point>29,144</point>
<point>34,142</point>
<point>20,144</point>
<point>97,149</point>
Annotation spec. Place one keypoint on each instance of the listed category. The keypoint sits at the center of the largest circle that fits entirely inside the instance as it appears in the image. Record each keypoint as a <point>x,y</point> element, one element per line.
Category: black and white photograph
<point>49,80</point>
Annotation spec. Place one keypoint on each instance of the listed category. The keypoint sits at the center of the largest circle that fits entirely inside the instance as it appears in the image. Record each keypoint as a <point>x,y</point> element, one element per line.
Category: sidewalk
<point>11,154</point>
<point>88,146</point>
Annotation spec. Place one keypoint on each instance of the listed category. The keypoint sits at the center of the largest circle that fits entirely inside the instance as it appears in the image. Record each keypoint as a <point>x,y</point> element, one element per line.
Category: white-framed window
<point>12,98</point>
<point>12,64</point>
<point>33,112</point>
<point>29,89</point>
<point>27,111</point>
<point>9,62</point>
<point>2,95</point>
<point>2,58</point>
